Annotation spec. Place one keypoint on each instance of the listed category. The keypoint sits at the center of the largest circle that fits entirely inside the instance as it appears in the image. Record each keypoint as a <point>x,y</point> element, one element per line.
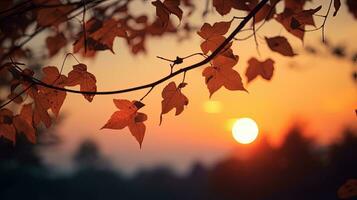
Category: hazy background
<point>315,90</point>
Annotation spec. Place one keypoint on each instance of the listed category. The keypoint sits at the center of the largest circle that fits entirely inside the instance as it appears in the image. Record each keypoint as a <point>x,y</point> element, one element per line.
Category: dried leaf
<point>172,98</point>
<point>255,68</point>
<point>221,73</point>
<point>281,45</point>
<point>128,116</point>
<point>86,80</point>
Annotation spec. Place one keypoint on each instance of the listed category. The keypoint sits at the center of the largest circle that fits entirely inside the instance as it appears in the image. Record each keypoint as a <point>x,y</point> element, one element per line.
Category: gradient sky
<point>314,90</point>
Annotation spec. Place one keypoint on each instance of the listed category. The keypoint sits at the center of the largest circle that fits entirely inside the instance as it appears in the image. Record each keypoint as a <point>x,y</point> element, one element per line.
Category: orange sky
<point>317,91</point>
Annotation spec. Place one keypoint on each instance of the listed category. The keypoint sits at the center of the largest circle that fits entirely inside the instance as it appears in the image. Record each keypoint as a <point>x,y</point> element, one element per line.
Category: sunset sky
<point>316,91</point>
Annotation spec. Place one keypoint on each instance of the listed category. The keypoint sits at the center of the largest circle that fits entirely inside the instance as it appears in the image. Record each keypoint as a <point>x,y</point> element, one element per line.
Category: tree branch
<point>182,70</point>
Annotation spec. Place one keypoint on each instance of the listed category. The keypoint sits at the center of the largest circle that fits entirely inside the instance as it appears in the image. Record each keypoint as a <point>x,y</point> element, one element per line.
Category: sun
<point>245,130</point>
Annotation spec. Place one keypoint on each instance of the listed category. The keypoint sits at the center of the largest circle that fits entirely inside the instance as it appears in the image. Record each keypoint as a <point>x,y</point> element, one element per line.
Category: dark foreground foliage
<point>298,169</point>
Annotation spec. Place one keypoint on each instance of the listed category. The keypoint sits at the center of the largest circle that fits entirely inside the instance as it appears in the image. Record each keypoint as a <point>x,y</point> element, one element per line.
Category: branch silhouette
<point>151,85</point>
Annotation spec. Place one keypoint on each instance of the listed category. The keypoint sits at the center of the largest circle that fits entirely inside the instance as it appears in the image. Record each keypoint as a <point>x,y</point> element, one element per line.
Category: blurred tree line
<point>298,169</point>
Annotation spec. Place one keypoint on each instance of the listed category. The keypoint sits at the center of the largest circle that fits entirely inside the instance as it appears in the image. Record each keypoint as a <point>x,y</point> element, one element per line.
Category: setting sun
<point>245,130</point>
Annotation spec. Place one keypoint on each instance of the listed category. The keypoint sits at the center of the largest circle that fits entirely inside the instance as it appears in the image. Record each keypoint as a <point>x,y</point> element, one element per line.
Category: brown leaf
<point>99,36</point>
<point>7,130</point>
<point>52,16</point>
<point>281,45</point>
<point>172,98</point>
<point>55,98</point>
<point>255,67</point>
<point>86,80</point>
<point>23,123</point>
<point>128,116</point>
<point>164,9</point>
<point>300,18</point>
<point>223,7</point>
<point>336,5</point>
<point>221,73</point>
<point>213,35</point>
<point>55,43</point>
<point>348,190</point>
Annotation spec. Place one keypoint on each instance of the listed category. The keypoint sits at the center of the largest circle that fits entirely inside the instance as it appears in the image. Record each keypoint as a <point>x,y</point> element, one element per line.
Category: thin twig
<point>182,70</point>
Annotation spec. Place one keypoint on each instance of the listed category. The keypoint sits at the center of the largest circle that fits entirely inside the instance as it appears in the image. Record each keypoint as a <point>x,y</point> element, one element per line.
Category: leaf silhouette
<point>213,35</point>
<point>173,98</point>
<point>86,80</point>
<point>23,123</point>
<point>223,7</point>
<point>7,130</point>
<point>52,16</point>
<point>281,45</point>
<point>255,68</point>
<point>336,5</point>
<point>295,21</point>
<point>221,73</point>
<point>128,116</point>
<point>164,9</point>
<point>100,36</point>
<point>55,43</point>
<point>54,97</point>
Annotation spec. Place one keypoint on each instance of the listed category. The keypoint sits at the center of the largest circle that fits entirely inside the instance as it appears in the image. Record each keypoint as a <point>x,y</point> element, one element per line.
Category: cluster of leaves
<point>23,20</point>
<point>42,99</point>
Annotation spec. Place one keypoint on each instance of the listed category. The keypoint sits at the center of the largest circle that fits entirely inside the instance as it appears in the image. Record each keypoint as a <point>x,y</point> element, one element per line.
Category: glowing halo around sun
<point>245,130</point>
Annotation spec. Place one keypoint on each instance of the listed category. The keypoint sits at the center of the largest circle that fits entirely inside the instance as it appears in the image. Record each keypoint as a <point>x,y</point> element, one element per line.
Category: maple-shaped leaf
<point>295,21</point>
<point>55,43</point>
<point>55,98</point>
<point>51,15</point>
<point>223,7</point>
<point>221,73</point>
<point>348,190</point>
<point>99,36</point>
<point>255,68</point>
<point>173,98</point>
<point>281,45</point>
<point>352,7</point>
<point>7,130</point>
<point>128,116</point>
<point>213,35</point>
<point>23,123</point>
<point>80,76</point>
<point>164,9</point>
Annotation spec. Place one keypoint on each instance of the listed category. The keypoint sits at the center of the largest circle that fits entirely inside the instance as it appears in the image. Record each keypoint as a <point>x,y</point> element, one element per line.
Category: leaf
<point>281,45</point>
<point>221,73</point>
<point>299,19</point>
<point>223,7</point>
<point>86,80</point>
<point>213,35</point>
<point>173,98</point>
<point>55,43</point>
<point>295,4</point>
<point>336,5</point>
<point>128,116</point>
<point>266,12</point>
<point>352,7</point>
<point>40,111</point>
<point>52,16</point>
<point>23,123</point>
<point>99,36</point>
<point>164,9</point>
<point>348,190</point>
<point>255,67</point>
<point>7,130</point>
<point>54,97</point>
